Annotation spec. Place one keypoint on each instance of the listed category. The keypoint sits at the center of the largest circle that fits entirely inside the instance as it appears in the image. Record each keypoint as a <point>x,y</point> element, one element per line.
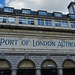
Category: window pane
<point>8,9</point>
<point>3,19</point>
<point>40,22</point>
<point>72,16</point>
<point>42,13</point>
<point>72,25</point>
<point>26,11</point>
<point>30,21</point>
<point>11,20</point>
<point>57,23</point>
<point>22,20</point>
<point>65,24</point>
<point>48,23</point>
<point>57,14</point>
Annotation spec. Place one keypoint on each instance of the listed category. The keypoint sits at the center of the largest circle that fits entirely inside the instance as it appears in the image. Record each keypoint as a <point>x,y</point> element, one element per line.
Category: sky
<point>35,5</point>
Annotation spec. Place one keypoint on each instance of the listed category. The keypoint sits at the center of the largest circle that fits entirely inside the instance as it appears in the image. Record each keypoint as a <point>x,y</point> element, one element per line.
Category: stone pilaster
<point>14,72</point>
<point>60,71</point>
<point>38,72</point>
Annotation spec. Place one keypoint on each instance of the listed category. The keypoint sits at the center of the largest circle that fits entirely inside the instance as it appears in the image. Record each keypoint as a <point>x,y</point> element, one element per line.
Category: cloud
<point>1,5</point>
<point>48,5</point>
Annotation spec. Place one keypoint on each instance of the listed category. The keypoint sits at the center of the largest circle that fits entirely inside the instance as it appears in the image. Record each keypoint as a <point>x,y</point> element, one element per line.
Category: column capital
<point>60,67</point>
<point>13,68</point>
<point>38,68</point>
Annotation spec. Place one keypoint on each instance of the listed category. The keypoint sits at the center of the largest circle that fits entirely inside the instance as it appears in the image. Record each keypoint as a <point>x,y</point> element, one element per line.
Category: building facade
<point>37,42</point>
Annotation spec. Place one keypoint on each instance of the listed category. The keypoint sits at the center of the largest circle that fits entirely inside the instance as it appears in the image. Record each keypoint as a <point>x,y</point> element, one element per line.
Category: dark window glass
<point>57,23</point>
<point>3,19</point>
<point>26,72</point>
<point>5,72</point>
<point>22,20</point>
<point>64,24</point>
<point>72,25</point>
<point>48,22</point>
<point>40,22</point>
<point>11,19</point>
<point>8,9</point>
<point>42,13</point>
<point>30,21</point>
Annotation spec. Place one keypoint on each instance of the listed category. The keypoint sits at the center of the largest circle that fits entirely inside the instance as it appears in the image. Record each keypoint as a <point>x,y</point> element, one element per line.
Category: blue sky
<point>2,3</point>
<point>47,5</point>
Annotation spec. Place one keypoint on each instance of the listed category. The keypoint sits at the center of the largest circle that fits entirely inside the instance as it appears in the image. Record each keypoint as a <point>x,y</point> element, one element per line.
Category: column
<point>17,20</point>
<point>69,24</point>
<point>38,72</point>
<point>36,21</point>
<point>14,72</point>
<point>7,20</point>
<point>53,23</point>
<point>60,71</point>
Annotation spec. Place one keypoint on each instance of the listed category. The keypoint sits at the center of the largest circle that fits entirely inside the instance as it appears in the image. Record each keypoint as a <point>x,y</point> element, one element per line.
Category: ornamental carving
<point>48,56</point>
<point>26,56</point>
<point>68,56</point>
<point>2,55</point>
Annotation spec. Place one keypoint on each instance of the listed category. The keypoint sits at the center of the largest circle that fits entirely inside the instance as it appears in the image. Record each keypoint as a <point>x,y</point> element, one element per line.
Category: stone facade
<point>36,42</point>
<point>37,56</point>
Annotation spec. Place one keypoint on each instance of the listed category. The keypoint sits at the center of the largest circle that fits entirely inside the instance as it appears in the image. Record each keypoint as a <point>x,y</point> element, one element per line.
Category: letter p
<point>2,41</point>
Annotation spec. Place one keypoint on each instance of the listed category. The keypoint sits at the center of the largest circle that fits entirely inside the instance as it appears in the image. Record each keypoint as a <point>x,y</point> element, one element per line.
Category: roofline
<point>32,10</point>
<point>70,4</point>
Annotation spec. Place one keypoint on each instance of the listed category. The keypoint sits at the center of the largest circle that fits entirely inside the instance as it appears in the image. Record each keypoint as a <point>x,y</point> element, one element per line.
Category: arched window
<point>26,67</point>
<point>5,67</point>
<point>68,67</point>
<point>48,67</point>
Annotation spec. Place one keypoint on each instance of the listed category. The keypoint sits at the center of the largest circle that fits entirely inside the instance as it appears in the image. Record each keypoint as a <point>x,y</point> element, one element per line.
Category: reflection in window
<point>71,10</point>
<point>57,23</point>
<point>48,23</point>
<point>30,21</point>
<point>42,13</point>
<point>40,22</point>
<point>26,11</point>
<point>3,19</point>
<point>8,9</point>
<point>72,16</point>
<point>11,19</point>
<point>65,24</point>
<point>22,20</point>
<point>72,25</point>
<point>74,7</point>
<point>57,14</point>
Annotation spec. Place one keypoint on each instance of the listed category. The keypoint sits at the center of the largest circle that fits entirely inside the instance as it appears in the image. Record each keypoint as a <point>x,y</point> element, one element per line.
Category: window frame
<point>3,19</point>
<point>64,26</point>
<point>71,16</point>
<point>22,20</point>
<point>57,25</point>
<point>41,22</point>
<point>57,13</point>
<point>12,19</point>
<point>25,10</point>
<point>9,9</point>
<point>42,12</point>
<point>72,26</point>
<point>30,21</point>
<point>48,22</point>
